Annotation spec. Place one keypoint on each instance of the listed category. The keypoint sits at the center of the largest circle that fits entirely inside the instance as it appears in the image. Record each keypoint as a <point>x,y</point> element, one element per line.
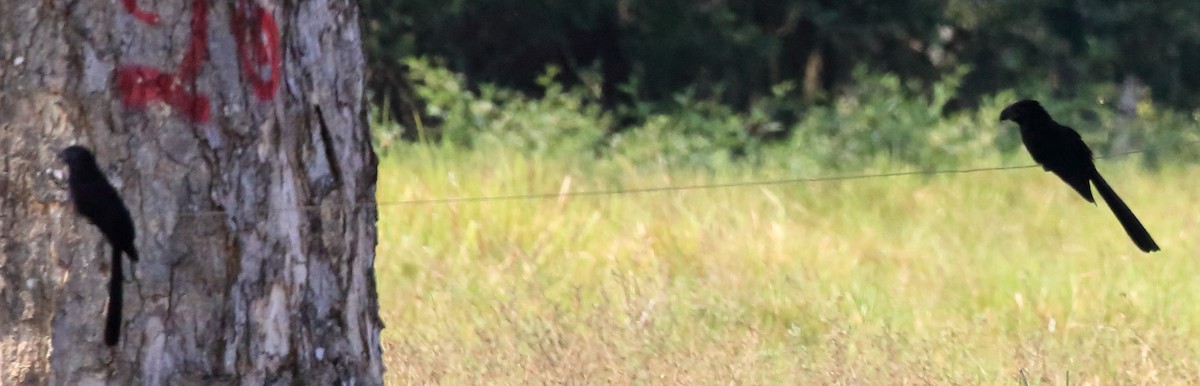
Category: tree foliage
<point>738,52</point>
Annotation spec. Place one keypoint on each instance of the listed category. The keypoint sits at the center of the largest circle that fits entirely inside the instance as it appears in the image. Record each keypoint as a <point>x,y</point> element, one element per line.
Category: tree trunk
<point>1132,89</point>
<point>235,131</point>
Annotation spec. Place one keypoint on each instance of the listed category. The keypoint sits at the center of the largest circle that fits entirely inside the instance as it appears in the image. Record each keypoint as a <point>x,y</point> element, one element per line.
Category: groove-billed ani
<point>98,201</point>
<point>1060,150</point>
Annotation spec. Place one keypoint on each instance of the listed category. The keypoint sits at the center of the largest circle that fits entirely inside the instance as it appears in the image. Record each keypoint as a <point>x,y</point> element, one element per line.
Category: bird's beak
<point>1005,115</point>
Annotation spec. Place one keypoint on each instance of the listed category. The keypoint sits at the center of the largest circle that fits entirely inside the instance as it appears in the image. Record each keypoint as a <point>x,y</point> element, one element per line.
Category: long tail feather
<point>1132,226</point>
<point>112,325</point>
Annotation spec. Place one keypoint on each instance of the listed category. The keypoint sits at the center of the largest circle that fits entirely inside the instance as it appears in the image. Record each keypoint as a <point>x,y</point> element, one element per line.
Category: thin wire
<point>787,181</point>
<point>676,188</point>
<point>613,192</point>
<point>668,188</point>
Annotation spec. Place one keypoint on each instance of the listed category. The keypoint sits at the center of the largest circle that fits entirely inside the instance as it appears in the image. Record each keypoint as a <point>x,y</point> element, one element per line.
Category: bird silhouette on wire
<point>1060,150</point>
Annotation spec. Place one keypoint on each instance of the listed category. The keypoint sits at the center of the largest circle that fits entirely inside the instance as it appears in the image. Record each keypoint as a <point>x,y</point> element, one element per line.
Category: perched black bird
<point>98,201</point>
<point>1060,150</point>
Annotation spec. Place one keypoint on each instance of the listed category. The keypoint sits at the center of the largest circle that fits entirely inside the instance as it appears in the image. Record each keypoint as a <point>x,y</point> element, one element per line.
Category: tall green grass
<point>995,277</point>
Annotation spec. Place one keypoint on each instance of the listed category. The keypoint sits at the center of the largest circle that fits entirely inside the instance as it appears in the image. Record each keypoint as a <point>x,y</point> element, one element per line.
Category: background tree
<point>236,135</point>
<point>734,52</point>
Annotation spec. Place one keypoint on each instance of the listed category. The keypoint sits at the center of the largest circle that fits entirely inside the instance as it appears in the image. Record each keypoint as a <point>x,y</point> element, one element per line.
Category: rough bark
<point>246,161</point>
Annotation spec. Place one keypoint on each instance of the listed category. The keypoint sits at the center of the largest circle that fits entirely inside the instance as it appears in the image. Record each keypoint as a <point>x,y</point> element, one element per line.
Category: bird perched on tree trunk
<point>1060,150</point>
<point>96,199</point>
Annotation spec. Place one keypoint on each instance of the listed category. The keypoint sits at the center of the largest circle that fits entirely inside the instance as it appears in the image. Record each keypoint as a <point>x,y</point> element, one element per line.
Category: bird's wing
<point>1080,182</point>
<point>99,203</point>
<point>89,198</point>
<point>1075,162</point>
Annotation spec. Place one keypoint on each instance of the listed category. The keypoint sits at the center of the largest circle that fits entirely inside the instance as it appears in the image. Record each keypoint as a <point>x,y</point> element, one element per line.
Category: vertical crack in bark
<point>329,153</point>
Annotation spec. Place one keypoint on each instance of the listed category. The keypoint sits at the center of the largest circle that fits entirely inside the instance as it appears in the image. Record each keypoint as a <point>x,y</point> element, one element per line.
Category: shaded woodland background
<point>778,63</point>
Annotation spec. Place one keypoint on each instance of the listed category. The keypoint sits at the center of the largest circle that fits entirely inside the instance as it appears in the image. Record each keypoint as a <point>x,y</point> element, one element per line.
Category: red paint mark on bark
<point>257,38</point>
<point>148,17</point>
<point>197,49</point>
<point>140,86</point>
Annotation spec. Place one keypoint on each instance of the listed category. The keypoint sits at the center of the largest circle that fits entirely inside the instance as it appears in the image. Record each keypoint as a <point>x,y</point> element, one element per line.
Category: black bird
<point>98,201</point>
<point>1060,150</point>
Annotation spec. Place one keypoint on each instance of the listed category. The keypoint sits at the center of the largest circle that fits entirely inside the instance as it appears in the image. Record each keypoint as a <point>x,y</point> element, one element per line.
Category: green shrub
<point>879,122</point>
<point>561,121</point>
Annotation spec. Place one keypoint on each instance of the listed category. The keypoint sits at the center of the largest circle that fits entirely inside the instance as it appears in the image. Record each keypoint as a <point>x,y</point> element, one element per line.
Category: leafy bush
<point>880,121</point>
<point>562,121</point>
<point>882,118</point>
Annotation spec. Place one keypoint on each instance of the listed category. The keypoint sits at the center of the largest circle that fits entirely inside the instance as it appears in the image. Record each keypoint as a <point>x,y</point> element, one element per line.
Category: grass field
<point>1002,277</point>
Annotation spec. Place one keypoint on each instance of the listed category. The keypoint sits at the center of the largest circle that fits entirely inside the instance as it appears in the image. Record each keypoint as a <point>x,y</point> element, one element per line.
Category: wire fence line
<point>740,184</point>
<point>663,189</point>
<point>677,188</point>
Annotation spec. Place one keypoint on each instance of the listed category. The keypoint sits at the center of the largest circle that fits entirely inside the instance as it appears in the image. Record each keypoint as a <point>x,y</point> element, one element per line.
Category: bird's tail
<point>112,325</point>
<point>1132,226</point>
